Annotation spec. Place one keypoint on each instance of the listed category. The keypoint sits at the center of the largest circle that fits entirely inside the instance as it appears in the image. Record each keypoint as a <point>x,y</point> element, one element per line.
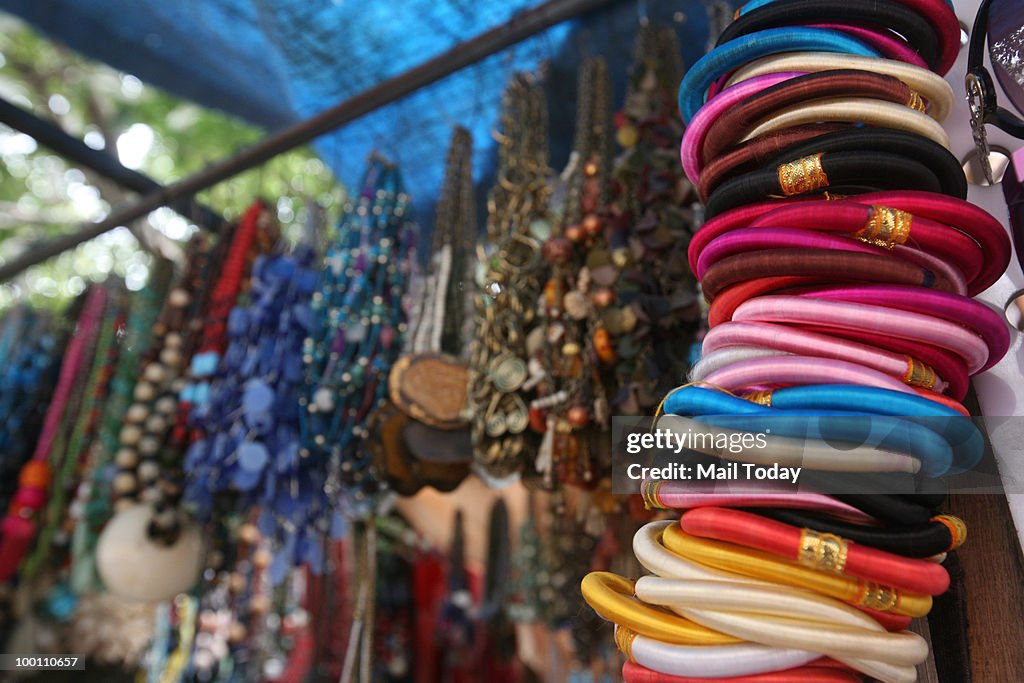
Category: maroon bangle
<point>734,124</point>
<point>819,263</point>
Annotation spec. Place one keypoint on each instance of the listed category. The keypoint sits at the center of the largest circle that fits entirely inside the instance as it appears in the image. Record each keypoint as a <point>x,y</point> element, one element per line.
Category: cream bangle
<point>659,560</point>
<point>758,615</point>
<point>715,661</point>
<point>929,85</point>
<point>873,112</point>
<point>787,451</point>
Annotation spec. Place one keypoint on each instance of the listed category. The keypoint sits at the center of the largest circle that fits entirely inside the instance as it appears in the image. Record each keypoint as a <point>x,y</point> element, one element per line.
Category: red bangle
<point>962,215</point>
<point>821,551</point>
<point>876,224</point>
<point>824,265</point>
<point>730,298</point>
<point>940,15</point>
<point>817,672</point>
<point>733,125</point>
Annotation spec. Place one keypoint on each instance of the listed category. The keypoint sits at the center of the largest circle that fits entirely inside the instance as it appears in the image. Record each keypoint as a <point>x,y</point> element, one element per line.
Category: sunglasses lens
<point>1006,48</point>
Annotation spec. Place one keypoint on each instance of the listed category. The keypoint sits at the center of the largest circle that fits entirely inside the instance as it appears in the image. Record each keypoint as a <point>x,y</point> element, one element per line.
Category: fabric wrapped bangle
<point>887,45</point>
<point>729,127</point>
<point>758,564</point>
<point>938,535</point>
<point>723,59</point>
<point>879,225</point>
<point>930,86</point>
<point>822,266</point>
<point>753,154</point>
<point>790,452</point>
<point>713,662</point>
<point>933,155</point>
<point>938,13</point>
<point>840,172</point>
<point>659,560</point>
<point>972,314</point>
<point>877,319</point>
<point>906,23</point>
<point>610,596</point>
<point>674,495</point>
<point>807,622</point>
<point>696,132</point>
<point>925,429</point>
<point>634,673</point>
<point>801,342</point>
<point>820,551</point>
<point>858,110</point>
<point>765,239</point>
<point>964,216</point>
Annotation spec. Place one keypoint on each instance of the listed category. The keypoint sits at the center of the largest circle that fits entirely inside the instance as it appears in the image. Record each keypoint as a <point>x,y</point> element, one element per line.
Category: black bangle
<point>913,540</point>
<point>838,172</point>
<point>911,145</point>
<point>914,28</point>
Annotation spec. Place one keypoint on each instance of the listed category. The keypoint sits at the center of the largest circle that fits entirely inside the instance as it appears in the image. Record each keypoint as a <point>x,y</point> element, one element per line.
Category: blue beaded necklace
<point>251,422</point>
<point>358,330</point>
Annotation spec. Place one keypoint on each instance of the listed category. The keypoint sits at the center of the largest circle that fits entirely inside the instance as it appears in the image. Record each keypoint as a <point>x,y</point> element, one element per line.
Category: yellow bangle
<point>854,109</point>
<point>755,563</point>
<point>929,85</point>
<point>611,596</point>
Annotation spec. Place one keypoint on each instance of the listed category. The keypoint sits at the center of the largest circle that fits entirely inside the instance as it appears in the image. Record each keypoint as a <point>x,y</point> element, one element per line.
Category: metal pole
<point>517,29</point>
<point>70,147</point>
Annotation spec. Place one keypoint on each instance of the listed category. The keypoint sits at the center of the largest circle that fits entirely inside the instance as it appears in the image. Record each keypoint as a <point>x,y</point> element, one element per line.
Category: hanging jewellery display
<point>578,355</point>
<point>654,307</point>
<point>358,330</point>
<point>502,373</point>
<point>427,442</point>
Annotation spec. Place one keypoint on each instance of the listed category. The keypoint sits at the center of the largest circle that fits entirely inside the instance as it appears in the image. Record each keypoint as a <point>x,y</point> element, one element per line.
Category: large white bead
<point>134,567</point>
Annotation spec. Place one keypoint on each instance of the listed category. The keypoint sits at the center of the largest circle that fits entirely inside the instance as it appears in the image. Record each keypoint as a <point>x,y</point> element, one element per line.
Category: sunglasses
<point>1001,22</point>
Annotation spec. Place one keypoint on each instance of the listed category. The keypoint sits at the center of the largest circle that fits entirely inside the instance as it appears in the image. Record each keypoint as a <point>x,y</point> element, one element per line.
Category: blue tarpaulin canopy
<point>277,62</point>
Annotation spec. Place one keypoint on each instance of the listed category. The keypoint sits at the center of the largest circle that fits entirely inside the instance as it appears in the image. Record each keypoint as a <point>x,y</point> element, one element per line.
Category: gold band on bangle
<point>762,398</point>
<point>916,102</point>
<point>649,491</point>
<point>822,551</point>
<point>611,596</point>
<point>754,563</point>
<point>886,227</point>
<point>919,374</point>
<point>957,530</point>
<point>802,175</point>
<point>624,641</point>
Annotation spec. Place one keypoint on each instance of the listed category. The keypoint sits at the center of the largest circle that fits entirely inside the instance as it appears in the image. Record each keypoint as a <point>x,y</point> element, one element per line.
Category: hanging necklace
<point>578,357</point>
<point>502,376</point>
<point>357,332</point>
<point>656,309</point>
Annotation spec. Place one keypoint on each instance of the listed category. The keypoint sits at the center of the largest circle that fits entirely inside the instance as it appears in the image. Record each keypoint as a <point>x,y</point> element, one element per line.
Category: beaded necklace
<point>501,380</point>
<point>656,307</point>
<point>357,333</point>
<point>252,418</point>
<point>93,498</point>
<point>578,356</point>
<point>21,524</point>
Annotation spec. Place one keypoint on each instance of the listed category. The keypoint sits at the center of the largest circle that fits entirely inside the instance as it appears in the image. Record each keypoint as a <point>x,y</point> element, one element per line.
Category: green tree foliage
<point>42,195</point>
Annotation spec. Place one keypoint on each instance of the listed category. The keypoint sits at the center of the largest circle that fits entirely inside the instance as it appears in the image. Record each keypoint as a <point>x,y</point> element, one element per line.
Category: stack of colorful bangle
<point>838,260</point>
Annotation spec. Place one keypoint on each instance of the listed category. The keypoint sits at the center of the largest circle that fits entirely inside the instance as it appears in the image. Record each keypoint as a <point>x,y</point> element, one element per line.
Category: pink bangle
<point>984,321</point>
<point>693,138</point>
<point>681,496</point>
<point>787,370</point>
<point>804,343</point>
<point>879,320</point>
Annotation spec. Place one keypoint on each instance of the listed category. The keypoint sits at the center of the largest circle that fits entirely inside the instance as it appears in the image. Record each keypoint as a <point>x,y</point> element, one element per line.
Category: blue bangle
<point>958,432</point>
<point>736,53</point>
<point>754,4</point>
